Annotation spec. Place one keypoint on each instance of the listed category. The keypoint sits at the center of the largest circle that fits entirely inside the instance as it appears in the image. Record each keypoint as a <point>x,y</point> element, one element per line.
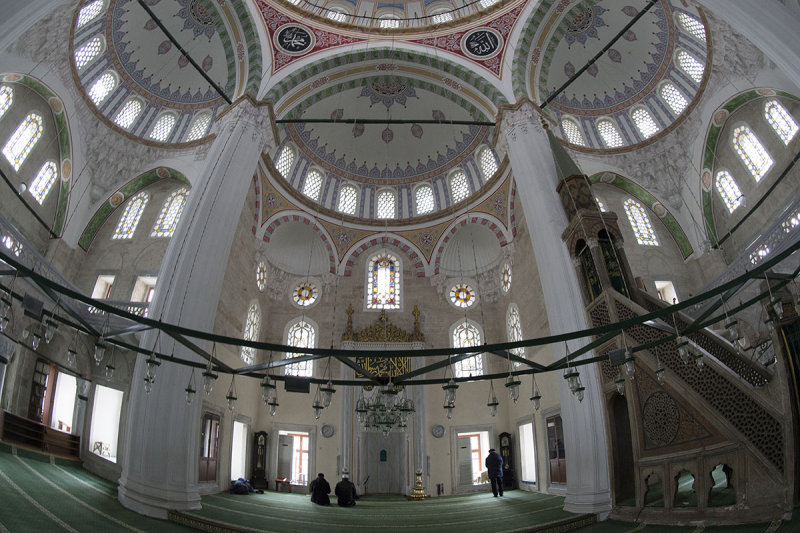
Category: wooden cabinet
<point>35,435</point>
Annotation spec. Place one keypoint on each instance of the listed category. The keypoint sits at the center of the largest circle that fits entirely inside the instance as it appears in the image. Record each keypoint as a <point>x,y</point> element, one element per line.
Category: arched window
<point>389,22</point>
<point>383,281</point>
<point>466,334</point>
<point>301,334</point>
<point>514,330</point>
<point>386,204</point>
<point>640,223</point>
<point>423,199</point>
<point>729,191</point>
<point>23,140</point>
<point>462,295</point>
<point>348,200</point>
<point>252,325</point>
<point>753,154</point>
<point>459,188</point>
<point>313,184</point>
<point>486,4</point>
<point>43,181</point>
<point>572,132</point>
<point>6,98</point>
<point>163,127</point>
<point>691,66</point>
<point>610,134</point>
<point>674,98</point>
<point>261,275</point>
<point>336,16</point>
<point>199,126</point>
<point>692,26</point>
<point>170,214</point>
<point>130,216</point>
<point>89,52</point>
<point>487,162</point>
<point>101,88</point>
<point>644,122</point>
<point>505,277</point>
<point>440,18</point>
<point>285,161</point>
<point>127,115</point>
<point>89,12</point>
<point>781,121</point>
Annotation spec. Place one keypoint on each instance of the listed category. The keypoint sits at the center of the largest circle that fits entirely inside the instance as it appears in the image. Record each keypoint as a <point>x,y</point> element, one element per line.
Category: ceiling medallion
<point>482,43</point>
<point>294,39</point>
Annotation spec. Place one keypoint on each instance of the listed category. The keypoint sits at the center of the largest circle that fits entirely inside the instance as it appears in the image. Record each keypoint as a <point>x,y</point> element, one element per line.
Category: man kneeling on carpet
<point>320,489</point>
<point>346,491</point>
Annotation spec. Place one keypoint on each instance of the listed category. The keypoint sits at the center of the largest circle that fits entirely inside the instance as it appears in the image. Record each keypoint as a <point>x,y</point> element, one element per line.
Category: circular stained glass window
<point>305,294</point>
<point>505,277</point>
<point>462,295</point>
<point>261,275</point>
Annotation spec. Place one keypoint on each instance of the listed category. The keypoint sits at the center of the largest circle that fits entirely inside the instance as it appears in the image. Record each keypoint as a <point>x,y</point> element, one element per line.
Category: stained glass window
<point>610,134</point>
<point>674,98</point>
<point>600,205</point>
<point>383,282</point>
<point>12,244</point>
<point>252,326</point>
<point>261,275</point>
<point>130,217</point>
<point>780,120</point>
<point>386,205</point>
<point>313,184</point>
<point>640,223</point>
<point>572,132</point>
<point>102,87</point>
<point>88,52</point>
<point>644,122</point>
<point>442,17</point>
<point>301,335</point>
<point>170,214</point>
<point>505,277</point>
<point>348,200</point>
<point>465,334</point>
<point>690,65</point>
<point>423,195</point>
<point>6,97</point>
<point>89,12</point>
<point>459,188</point>
<point>693,26</point>
<point>488,163</point>
<point>759,254</point>
<point>43,181</point>
<point>729,190</point>
<point>753,154</point>
<point>163,127</point>
<point>285,161</point>
<point>127,115</point>
<point>23,140</point>
<point>305,294</point>
<point>462,295</point>
<point>199,126</point>
<point>514,330</point>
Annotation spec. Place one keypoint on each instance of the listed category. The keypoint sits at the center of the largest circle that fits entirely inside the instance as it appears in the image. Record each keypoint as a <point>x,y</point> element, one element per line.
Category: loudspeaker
<point>617,357</point>
<point>32,307</point>
<point>295,384</point>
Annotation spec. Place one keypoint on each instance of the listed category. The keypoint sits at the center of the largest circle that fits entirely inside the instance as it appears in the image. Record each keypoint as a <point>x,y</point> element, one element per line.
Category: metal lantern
<point>71,356</point>
<point>231,396</point>
<point>152,365</point>
<point>660,373</point>
<point>683,348</point>
<point>733,329</point>
<point>492,403</point>
<point>37,339</point>
<point>209,378</point>
<point>273,406</point>
<point>327,394</point>
<point>190,390</point>
<point>267,390</point>
<point>450,389</point>
<point>536,398</point>
<point>512,384</point>
<point>50,328</point>
<point>99,350</point>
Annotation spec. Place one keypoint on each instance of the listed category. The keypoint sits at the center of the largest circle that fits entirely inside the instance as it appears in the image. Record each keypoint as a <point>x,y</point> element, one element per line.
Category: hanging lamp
<point>209,377</point>
<point>190,390</point>
<point>492,403</point>
<point>660,372</point>
<point>231,396</point>
<point>536,398</point>
<point>774,301</point>
<point>620,383</point>
<point>731,324</point>
<point>630,361</point>
<point>109,372</point>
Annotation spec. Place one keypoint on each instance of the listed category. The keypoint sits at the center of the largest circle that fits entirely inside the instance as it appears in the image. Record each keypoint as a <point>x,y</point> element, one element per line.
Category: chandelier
<point>384,409</point>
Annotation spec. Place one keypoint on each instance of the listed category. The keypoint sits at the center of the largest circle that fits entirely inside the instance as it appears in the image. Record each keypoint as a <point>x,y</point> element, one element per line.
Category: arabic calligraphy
<point>293,39</point>
<point>482,43</point>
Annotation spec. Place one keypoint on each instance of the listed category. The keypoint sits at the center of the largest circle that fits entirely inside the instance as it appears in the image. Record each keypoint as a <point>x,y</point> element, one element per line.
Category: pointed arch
<point>275,221</point>
<point>497,228</point>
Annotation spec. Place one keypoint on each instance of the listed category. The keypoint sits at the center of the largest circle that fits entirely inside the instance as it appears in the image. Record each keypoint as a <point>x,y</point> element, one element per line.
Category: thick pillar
<point>160,451</point>
<point>588,488</point>
<point>769,25</point>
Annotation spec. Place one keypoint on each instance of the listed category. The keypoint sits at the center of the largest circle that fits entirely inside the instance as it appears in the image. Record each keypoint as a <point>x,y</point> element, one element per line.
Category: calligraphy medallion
<point>482,43</point>
<point>294,40</point>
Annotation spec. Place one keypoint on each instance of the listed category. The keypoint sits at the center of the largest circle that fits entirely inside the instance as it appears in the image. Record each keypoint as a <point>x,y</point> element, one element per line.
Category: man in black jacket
<point>494,464</point>
<point>320,489</point>
<point>346,492</point>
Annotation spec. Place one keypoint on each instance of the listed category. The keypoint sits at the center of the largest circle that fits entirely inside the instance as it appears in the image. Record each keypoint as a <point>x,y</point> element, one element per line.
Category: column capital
<point>254,117</point>
<point>522,118</point>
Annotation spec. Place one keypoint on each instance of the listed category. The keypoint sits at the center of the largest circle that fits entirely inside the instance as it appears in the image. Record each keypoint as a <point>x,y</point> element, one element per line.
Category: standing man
<point>319,490</point>
<point>494,464</point>
<point>346,492</point>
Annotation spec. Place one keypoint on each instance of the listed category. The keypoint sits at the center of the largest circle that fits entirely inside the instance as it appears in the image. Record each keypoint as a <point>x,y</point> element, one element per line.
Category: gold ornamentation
<point>418,493</point>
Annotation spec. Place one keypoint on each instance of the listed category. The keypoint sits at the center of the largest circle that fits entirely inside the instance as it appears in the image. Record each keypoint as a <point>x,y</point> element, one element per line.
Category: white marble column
<point>160,453</point>
<point>769,25</point>
<point>534,170</point>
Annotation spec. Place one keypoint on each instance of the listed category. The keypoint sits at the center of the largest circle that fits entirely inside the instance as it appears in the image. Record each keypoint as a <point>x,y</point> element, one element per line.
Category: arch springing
<point>610,134</point>
<point>383,281</point>
<point>23,140</point>
<point>423,199</point>
<point>301,334</point>
<point>348,200</point>
<point>252,325</point>
<point>466,334</point>
<point>644,122</point>
<point>728,190</point>
<point>127,115</point>
<point>43,181</point>
<point>640,223</point>
<point>753,154</point>
<point>170,214</point>
<point>126,226</point>
<point>781,121</point>
<point>572,132</point>
<point>313,184</point>
<point>674,98</point>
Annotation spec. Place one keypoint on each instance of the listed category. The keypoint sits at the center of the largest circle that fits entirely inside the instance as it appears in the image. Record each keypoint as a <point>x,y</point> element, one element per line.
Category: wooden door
<point>209,448</point>
<point>555,450</point>
<point>386,467</point>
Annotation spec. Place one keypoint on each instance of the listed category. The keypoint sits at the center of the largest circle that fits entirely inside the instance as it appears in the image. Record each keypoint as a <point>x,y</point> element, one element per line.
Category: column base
<point>156,502</point>
<point>595,503</point>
